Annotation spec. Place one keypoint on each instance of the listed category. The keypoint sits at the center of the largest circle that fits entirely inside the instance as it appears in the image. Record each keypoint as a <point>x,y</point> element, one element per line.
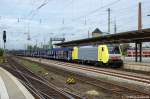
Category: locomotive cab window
<point>102,48</point>
<point>114,50</point>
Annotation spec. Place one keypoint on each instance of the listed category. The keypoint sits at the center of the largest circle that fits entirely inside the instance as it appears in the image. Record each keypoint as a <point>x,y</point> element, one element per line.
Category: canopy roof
<point>123,37</point>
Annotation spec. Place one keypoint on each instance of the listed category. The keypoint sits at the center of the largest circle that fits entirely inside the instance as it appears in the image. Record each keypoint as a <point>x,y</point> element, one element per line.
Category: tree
<point>29,47</point>
<point>1,52</point>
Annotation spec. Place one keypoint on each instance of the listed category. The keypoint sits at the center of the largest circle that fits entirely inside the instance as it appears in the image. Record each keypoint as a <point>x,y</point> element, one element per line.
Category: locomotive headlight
<point>115,57</point>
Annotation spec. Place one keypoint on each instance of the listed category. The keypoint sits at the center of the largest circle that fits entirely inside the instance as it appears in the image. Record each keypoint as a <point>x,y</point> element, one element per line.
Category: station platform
<point>11,88</point>
<point>129,63</point>
<point>132,59</point>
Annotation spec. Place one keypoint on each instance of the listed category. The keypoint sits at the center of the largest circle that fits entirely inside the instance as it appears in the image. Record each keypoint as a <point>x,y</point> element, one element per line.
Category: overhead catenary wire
<point>105,7</point>
<point>96,10</point>
<point>32,14</point>
<point>88,17</point>
<point>123,12</point>
<point>88,20</point>
<point>127,17</point>
<point>120,10</point>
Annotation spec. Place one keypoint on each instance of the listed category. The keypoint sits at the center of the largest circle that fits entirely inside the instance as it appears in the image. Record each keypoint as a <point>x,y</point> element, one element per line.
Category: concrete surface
<point>11,88</point>
<point>132,59</point>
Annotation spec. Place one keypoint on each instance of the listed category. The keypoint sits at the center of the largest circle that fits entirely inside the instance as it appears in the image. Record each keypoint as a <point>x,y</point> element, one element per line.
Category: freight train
<point>102,55</point>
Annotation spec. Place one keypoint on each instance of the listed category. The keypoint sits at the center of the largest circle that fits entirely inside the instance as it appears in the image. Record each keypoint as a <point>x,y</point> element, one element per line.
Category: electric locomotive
<point>101,55</point>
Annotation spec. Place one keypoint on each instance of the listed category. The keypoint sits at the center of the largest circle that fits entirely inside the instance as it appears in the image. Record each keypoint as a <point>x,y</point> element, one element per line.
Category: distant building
<point>97,33</point>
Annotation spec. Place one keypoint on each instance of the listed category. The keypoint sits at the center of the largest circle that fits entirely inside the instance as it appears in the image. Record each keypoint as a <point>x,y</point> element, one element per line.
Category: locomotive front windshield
<point>114,50</point>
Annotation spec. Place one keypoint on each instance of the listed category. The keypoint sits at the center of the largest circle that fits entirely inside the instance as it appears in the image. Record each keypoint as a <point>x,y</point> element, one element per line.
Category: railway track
<point>111,87</point>
<point>111,72</point>
<point>38,86</point>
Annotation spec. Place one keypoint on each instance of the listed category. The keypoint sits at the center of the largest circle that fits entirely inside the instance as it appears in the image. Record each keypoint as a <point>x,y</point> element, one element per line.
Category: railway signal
<point>4,36</point>
<point>4,39</point>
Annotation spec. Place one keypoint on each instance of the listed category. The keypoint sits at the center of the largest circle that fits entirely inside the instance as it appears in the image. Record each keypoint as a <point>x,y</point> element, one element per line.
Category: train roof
<point>61,49</point>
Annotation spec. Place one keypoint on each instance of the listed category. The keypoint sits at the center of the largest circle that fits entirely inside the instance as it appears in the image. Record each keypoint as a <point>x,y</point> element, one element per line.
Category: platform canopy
<point>123,37</point>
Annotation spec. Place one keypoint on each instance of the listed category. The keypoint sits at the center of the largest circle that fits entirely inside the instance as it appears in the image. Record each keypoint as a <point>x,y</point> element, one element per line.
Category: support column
<point>140,45</point>
<point>50,43</point>
<point>108,20</point>
<point>136,54</point>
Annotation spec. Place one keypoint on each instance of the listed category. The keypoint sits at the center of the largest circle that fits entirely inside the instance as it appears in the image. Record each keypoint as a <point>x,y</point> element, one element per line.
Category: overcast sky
<point>70,18</point>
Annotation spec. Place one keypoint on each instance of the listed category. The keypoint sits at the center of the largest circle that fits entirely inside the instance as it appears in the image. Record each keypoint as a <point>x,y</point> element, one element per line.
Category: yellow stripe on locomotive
<point>103,54</point>
<point>75,53</point>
